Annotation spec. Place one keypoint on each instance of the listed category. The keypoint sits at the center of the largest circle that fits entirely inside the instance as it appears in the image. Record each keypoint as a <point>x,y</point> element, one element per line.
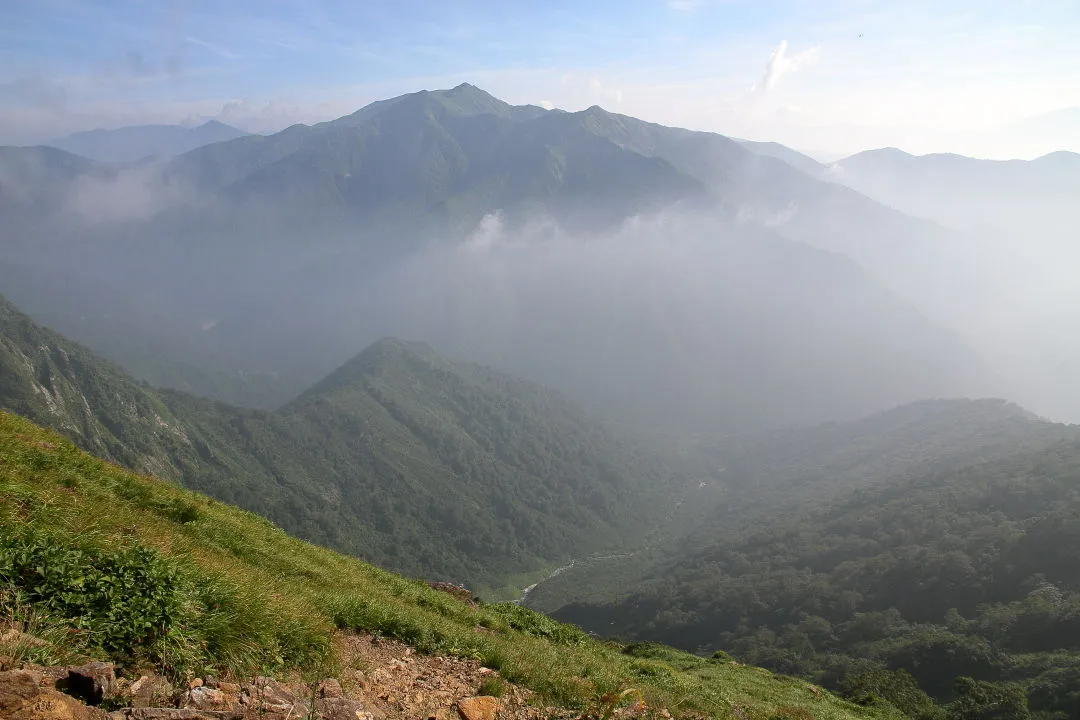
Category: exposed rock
<point>227,687</point>
<point>211,681</point>
<point>150,690</point>
<point>204,698</point>
<point>22,698</point>
<point>16,687</point>
<point>482,707</point>
<point>196,683</point>
<point>174,714</point>
<point>270,697</point>
<point>461,593</point>
<point>91,682</point>
<point>340,708</point>
<point>330,688</point>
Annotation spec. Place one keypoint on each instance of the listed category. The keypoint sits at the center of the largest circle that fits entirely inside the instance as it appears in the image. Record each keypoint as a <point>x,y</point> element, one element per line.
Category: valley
<point>697,418</point>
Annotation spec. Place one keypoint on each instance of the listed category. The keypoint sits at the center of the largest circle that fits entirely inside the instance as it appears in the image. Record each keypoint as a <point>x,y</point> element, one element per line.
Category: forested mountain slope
<point>960,563</point>
<point>431,467</point>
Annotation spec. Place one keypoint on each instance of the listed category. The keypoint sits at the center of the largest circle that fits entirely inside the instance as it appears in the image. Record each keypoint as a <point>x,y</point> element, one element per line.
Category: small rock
<point>228,687</point>
<point>482,707</point>
<point>91,682</point>
<point>268,696</point>
<point>204,698</point>
<point>330,688</point>
<point>150,690</point>
<point>211,681</point>
<point>196,683</point>
<point>173,714</point>
<point>340,708</point>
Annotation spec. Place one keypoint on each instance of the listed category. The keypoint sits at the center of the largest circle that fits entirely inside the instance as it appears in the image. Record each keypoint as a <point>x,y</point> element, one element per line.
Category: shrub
<point>123,599</point>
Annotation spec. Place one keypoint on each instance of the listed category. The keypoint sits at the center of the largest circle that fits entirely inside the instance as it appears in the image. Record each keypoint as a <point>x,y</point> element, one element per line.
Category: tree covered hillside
<point>966,568</point>
<point>401,457</point>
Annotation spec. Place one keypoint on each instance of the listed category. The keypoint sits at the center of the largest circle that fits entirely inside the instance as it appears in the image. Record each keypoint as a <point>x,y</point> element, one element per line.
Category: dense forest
<point>427,466</point>
<point>969,571</point>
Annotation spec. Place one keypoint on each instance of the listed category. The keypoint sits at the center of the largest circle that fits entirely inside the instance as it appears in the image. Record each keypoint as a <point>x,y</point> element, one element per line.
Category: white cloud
<point>780,64</point>
<point>547,104</point>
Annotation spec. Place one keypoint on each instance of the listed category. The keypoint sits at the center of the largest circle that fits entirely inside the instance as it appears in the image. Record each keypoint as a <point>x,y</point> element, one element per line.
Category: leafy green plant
<point>533,623</point>
<point>123,599</point>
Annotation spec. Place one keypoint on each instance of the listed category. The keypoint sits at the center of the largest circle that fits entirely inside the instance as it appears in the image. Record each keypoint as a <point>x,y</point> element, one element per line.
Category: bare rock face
<point>482,707</point>
<point>91,682</point>
<point>23,698</point>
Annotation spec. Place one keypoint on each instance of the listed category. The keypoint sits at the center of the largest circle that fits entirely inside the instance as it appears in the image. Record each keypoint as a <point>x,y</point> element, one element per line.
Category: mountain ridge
<point>532,479</point>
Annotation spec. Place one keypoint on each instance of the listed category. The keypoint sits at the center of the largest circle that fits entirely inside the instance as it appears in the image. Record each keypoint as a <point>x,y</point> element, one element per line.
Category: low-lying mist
<point>670,319</point>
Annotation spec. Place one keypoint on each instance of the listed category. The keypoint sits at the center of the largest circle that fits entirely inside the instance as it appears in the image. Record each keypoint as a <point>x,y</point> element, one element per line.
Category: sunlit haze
<point>993,80</point>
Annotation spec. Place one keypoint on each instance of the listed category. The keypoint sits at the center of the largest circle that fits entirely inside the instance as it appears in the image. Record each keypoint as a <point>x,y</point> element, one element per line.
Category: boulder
<point>330,688</point>
<point>91,682</point>
<point>269,697</point>
<point>204,698</point>
<point>482,707</point>
<point>23,698</point>
<point>149,691</point>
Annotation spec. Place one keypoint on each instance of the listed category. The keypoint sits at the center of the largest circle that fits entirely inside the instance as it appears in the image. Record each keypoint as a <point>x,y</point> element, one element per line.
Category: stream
<point>525,591</point>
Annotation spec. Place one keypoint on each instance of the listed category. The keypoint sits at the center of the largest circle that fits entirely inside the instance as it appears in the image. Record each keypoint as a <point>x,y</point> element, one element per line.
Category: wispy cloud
<point>219,50</point>
<point>780,64</point>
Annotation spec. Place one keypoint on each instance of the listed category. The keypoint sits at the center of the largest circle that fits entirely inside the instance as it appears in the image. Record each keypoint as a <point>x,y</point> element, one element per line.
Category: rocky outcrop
<point>91,682</point>
<point>23,698</point>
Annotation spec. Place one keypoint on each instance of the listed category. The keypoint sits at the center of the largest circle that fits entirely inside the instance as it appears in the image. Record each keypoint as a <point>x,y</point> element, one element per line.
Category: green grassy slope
<point>204,585</point>
<point>434,468</point>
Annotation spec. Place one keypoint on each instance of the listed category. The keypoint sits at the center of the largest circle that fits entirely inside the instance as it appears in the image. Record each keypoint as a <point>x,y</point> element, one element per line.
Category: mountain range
<point>128,144</point>
<point>701,282</point>
<point>718,394</point>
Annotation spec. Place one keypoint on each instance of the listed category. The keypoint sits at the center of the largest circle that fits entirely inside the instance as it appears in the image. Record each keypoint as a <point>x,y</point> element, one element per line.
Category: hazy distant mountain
<point>657,273</point>
<point>967,193</point>
<point>794,158</point>
<point>1021,219</point>
<point>127,144</point>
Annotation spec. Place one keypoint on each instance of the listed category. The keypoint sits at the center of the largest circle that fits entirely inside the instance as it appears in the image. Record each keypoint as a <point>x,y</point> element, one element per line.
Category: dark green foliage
<point>977,700</point>
<point>126,599</point>
<point>966,569</point>
<point>896,687</point>
<point>537,625</point>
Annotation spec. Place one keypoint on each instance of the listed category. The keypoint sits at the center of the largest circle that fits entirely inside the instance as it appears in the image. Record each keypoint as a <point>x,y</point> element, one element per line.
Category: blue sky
<point>832,76</point>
